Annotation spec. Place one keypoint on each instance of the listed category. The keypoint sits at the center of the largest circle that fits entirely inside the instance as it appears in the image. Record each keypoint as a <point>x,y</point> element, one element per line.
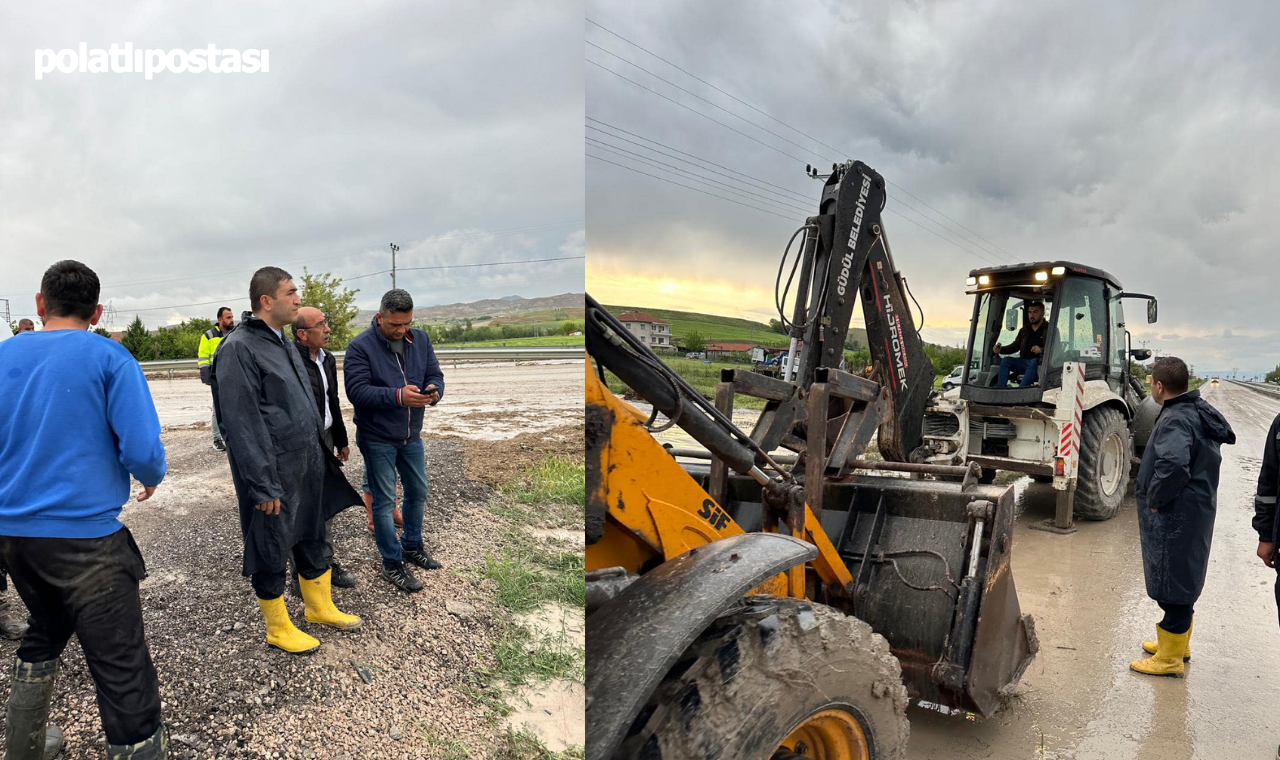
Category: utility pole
<point>394,248</point>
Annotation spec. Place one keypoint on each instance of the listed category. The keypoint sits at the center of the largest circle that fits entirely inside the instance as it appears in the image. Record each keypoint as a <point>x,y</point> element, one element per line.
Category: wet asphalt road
<point>1079,700</point>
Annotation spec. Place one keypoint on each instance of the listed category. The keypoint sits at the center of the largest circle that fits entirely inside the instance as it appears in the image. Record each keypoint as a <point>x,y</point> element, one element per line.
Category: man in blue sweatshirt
<point>391,375</point>
<point>76,420</point>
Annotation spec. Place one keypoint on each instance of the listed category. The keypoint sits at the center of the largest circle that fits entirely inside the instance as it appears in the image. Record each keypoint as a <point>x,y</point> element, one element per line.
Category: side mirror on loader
<point>1151,311</point>
<point>1140,354</point>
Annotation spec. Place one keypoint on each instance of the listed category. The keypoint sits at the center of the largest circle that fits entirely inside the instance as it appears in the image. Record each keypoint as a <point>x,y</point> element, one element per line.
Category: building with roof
<point>653,332</point>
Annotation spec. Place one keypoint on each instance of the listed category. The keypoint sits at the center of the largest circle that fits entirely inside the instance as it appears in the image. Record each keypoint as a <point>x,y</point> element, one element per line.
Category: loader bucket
<point>953,623</point>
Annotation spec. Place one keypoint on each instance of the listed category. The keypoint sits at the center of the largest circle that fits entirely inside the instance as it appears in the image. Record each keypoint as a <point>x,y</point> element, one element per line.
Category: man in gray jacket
<point>287,483</point>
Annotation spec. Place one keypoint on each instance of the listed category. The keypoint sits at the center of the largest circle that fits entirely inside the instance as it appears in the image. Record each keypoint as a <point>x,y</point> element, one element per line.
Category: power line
<point>771,117</point>
<point>797,196</point>
<point>696,111</point>
<point>704,100</point>
<point>783,152</point>
<point>346,279</point>
<point>696,190</point>
<point>785,204</point>
<point>904,204</point>
<point>780,204</point>
<point>429,240</point>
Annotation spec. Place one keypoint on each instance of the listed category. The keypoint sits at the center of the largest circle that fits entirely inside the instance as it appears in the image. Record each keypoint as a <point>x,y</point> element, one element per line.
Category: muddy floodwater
<point>1079,700</point>
<point>483,401</point>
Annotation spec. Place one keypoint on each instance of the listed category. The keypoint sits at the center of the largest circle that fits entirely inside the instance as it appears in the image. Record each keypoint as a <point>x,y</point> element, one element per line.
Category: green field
<point>545,340</point>
<point>717,329</point>
<point>702,376</point>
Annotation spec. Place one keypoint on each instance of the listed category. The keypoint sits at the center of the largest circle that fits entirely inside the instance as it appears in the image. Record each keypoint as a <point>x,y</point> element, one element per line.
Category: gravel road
<point>227,695</point>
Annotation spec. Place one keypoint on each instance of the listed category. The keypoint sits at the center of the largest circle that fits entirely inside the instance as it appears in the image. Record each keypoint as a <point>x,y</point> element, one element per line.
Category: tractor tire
<point>1105,451</point>
<point>773,673</point>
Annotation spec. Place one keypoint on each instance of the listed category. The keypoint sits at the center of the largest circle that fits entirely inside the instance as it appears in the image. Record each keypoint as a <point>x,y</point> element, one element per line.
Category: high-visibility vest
<point>208,346</point>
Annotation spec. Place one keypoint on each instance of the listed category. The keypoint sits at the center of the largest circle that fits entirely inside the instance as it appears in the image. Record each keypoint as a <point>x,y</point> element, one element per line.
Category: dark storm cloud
<point>424,124</point>
<point>1136,137</point>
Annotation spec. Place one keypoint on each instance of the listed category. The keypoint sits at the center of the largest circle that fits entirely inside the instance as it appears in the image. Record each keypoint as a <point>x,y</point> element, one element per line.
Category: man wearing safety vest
<point>209,342</point>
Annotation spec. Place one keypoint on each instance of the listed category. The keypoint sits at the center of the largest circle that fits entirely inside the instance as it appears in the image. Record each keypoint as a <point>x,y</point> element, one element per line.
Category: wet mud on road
<point>1079,700</point>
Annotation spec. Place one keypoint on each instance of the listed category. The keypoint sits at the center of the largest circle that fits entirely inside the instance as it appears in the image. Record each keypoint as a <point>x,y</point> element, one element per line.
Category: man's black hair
<point>225,308</point>
<point>70,289</point>
<point>1035,303</point>
<point>1172,373</point>
<point>266,282</point>
<point>396,301</point>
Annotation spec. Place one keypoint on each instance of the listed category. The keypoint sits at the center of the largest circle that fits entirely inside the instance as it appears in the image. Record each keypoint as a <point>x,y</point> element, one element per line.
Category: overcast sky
<point>1137,137</point>
<point>425,124</point>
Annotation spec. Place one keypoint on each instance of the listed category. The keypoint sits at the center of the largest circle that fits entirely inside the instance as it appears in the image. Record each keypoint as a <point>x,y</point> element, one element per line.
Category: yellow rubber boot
<point>281,632</point>
<point>316,593</point>
<point>1150,646</point>
<point>1167,661</point>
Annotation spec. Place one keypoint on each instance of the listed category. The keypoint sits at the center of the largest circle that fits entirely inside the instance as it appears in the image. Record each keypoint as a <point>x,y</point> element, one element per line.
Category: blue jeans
<point>383,461</point>
<point>1029,368</point>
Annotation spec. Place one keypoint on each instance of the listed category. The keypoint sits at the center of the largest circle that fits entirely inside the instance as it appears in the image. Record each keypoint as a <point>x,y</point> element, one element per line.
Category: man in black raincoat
<point>1177,492</point>
<point>287,483</point>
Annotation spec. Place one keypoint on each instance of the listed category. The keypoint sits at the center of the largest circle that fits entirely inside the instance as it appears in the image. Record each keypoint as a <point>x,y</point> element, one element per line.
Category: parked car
<point>695,355</point>
<point>953,380</point>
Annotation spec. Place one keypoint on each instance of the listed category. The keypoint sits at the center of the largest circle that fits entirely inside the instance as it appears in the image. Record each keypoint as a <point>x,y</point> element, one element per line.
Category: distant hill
<point>717,329</point>
<point>505,310</point>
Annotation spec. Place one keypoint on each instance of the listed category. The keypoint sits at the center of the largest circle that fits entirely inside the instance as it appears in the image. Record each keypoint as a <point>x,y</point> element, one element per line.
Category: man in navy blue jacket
<point>74,564</point>
<point>391,375</point>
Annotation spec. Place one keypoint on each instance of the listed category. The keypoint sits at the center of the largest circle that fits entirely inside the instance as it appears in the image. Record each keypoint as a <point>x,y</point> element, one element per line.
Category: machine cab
<point>1081,320</point>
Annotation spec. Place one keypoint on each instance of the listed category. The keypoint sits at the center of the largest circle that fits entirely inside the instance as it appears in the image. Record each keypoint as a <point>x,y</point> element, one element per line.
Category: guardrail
<point>1266,389</point>
<point>455,355</point>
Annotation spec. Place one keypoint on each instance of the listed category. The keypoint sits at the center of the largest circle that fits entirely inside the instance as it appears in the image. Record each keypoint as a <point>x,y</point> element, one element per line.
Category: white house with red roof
<point>653,332</point>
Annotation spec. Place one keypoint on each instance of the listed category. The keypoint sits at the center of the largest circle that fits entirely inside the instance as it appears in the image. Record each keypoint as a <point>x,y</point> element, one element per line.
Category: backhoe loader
<point>757,605</point>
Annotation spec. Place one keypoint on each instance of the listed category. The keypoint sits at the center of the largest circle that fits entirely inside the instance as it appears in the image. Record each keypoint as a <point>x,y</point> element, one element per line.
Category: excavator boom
<point>847,249</point>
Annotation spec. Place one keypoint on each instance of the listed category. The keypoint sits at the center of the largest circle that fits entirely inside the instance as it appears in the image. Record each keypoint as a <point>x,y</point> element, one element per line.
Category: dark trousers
<point>307,556</point>
<point>1177,617</point>
<point>89,587</point>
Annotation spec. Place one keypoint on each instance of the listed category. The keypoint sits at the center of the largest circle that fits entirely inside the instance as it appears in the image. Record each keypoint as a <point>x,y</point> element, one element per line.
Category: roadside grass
<point>554,480</point>
<point>523,657</point>
<point>702,376</point>
<point>530,572</point>
<point>551,494</point>
<point>528,575</point>
<point>446,747</point>
<point>521,745</point>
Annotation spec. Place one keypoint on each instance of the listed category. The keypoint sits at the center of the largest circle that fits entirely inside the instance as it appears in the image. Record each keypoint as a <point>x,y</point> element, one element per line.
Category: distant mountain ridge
<point>493,307</point>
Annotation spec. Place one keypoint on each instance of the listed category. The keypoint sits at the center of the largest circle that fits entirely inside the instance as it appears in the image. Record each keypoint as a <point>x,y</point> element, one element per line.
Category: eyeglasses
<point>317,325</point>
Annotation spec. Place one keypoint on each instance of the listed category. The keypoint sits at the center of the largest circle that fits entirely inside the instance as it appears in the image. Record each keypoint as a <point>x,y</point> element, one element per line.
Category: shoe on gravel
<point>219,446</point>
<point>400,577</point>
<point>342,577</point>
<point>421,559</point>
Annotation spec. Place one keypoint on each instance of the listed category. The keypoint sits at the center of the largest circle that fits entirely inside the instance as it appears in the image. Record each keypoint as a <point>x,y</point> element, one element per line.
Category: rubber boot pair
<point>318,600</point>
<point>396,516</point>
<point>1167,660</point>
<point>27,735</point>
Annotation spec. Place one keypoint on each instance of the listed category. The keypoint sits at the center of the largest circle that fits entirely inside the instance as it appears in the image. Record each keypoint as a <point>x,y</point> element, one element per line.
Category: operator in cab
<point>1029,345</point>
